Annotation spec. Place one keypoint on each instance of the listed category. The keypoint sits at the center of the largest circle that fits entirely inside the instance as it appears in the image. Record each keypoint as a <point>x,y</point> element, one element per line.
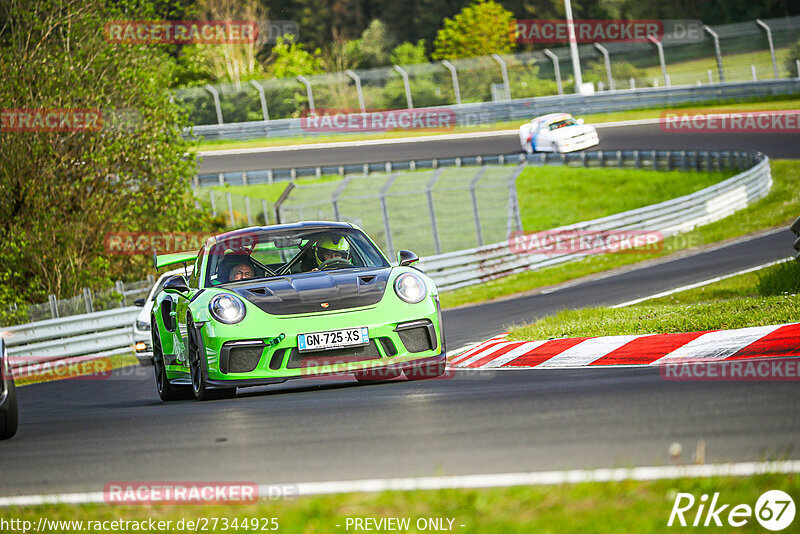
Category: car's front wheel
<point>166,391</point>
<point>9,419</point>
<point>202,391</point>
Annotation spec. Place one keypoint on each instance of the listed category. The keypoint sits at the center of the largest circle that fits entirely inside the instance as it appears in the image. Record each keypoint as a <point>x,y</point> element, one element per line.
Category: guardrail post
<point>230,209</point>
<point>771,46</point>
<point>385,212</point>
<point>797,64</point>
<point>53,306</point>
<point>359,92</point>
<point>270,177</point>
<point>473,185</point>
<point>217,105</point>
<point>637,159</point>
<point>244,177</point>
<point>263,98</point>
<point>454,76</point>
<point>633,83</point>
<point>601,158</point>
<point>437,246</point>
<point>407,86</point>
<point>556,68</point>
<point>221,177</point>
<point>87,300</point>
<point>265,210</point>
<point>309,92</point>
<point>714,35</point>
<point>753,72</point>
<point>607,61</point>
<point>504,71</point>
<point>660,58</point>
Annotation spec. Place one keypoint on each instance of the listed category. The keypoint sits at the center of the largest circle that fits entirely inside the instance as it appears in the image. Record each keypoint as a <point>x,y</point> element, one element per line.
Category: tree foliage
<point>482,28</point>
<point>63,192</point>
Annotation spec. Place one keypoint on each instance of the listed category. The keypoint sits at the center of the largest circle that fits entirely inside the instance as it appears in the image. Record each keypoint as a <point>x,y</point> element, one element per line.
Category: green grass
<point>770,103</point>
<point>94,367</point>
<point>778,208</point>
<point>592,507</point>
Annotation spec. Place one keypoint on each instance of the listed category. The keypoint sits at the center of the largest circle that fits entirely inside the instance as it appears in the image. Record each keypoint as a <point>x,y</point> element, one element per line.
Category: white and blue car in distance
<point>556,132</point>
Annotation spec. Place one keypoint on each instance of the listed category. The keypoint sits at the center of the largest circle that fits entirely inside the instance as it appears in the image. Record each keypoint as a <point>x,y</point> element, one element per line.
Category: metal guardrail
<point>99,334</point>
<point>110,332</point>
<point>463,268</point>
<point>526,108</point>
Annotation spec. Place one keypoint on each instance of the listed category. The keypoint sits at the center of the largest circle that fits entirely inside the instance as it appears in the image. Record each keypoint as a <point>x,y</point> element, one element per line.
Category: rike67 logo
<point>774,510</point>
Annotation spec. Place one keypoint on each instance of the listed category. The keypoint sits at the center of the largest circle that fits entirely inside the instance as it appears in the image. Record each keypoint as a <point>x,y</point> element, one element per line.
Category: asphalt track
<point>644,137</point>
<point>79,435</point>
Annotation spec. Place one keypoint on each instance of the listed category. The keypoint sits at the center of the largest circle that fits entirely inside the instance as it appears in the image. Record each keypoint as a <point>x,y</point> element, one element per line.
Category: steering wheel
<point>334,263</point>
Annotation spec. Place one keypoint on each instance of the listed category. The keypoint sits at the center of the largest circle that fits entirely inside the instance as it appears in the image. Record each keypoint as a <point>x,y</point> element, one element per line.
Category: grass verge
<point>759,298</point>
<point>778,208</point>
<point>627,506</point>
<point>771,103</point>
<point>56,370</point>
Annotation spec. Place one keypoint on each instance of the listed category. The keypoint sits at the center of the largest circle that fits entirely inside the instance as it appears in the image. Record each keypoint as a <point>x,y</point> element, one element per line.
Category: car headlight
<point>142,325</point>
<point>227,309</point>
<point>410,288</point>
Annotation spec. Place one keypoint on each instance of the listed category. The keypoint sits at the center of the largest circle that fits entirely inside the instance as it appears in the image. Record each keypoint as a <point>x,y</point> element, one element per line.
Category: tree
<point>375,45</point>
<point>791,59</point>
<point>64,191</point>
<point>482,28</point>
<point>289,59</point>
<point>409,53</point>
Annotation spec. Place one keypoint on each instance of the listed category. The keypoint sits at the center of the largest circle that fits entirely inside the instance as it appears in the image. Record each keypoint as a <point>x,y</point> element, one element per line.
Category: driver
<point>240,271</point>
<point>331,247</point>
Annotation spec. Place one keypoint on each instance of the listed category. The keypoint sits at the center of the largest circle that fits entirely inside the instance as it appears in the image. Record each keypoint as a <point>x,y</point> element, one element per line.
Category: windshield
<point>270,253</point>
<point>569,121</point>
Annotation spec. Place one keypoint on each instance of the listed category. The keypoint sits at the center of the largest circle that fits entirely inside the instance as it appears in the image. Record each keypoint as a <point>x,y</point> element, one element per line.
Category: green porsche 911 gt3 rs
<point>267,304</point>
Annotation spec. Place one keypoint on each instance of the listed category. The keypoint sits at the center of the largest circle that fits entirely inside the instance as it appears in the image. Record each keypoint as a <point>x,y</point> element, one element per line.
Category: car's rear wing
<point>163,260</point>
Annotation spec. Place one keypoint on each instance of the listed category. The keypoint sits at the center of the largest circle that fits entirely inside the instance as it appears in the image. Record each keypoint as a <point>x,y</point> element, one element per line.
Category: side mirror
<point>176,285</point>
<point>580,121</point>
<point>406,258</point>
<point>139,302</point>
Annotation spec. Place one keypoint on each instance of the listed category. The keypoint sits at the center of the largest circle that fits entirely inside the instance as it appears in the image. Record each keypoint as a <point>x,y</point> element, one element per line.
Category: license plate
<point>333,339</point>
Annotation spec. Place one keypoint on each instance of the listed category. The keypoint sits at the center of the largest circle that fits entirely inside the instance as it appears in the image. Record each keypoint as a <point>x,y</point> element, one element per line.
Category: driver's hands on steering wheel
<point>334,263</point>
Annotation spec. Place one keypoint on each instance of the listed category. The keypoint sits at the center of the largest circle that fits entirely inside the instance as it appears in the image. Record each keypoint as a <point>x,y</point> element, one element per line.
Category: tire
<point>9,420</point>
<point>166,391</point>
<point>202,391</point>
<point>430,370</point>
<point>376,375</point>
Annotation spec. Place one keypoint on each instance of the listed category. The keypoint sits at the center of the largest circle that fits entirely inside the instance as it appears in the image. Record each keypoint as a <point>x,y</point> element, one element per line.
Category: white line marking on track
<point>500,480</point>
<point>701,284</point>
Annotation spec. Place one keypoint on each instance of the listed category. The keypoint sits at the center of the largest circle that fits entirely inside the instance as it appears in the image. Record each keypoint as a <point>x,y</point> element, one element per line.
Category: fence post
<point>660,58</point>
<point>121,290</point>
<point>230,209</point>
<point>53,306</point>
<point>473,185</point>
<point>556,68</point>
<point>385,212</point>
<point>338,193</point>
<point>213,202</point>
<point>87,300</point>
<point>311,108</point>
<point>454,75</point>
<point>771,46</point>
<point>437,246</point>
<point>633,83</point>
<point>607,61</point>
<point>717,51</point>
<point>215,94</point>
<point>504,71</point>
<point>265,210</point>
<point>356,78</point>
<point>281,200</point>
<point>753,72</point>
<point>247,211</point>
<point>514,218</point>
<point>244,177</point>
<point>263,98</point>
<point>221,178</point>
<point>270,177</point>
<point>404,74</point>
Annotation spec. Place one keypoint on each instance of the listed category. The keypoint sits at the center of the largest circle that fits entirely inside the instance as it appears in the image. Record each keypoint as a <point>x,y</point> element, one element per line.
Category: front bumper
<point>579,143</point>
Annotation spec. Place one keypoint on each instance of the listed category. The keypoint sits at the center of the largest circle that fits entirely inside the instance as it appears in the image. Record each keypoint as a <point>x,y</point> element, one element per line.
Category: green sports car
<point>267,304</point>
